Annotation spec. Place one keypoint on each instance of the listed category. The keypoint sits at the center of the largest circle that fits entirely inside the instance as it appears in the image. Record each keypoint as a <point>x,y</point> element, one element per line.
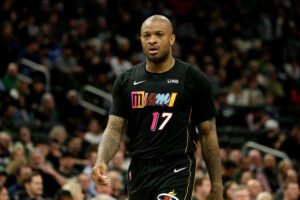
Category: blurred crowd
<point>48,142</point>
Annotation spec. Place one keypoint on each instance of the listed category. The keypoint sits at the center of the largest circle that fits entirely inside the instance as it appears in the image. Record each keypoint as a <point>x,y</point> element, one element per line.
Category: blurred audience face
<point>103,189</point>
<point>36,159</point>
<point>84,182</point>
<point>254,188</point>
<point>12,70</point>
<point>5,141</point>
<point>291,175</point>
<point>93,158</point>
<point>228,192</point>
<point>291,192</point>
<point>35,187</point>
<point>94,126</point>
<point>4,194</point>
<point>235,156</point>
<point>118,160</point>
<point>255,158</point>
<point>269,161</point>
<point>66,163</point>
<point>24,170</point>
<point>204,188</point>
<point>245,177</point>
<point>25,135</point>
<point>241,194</point>
<point>75,144</point>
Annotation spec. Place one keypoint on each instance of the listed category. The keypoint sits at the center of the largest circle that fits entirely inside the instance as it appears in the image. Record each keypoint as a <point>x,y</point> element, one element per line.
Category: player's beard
<point>159,59</point>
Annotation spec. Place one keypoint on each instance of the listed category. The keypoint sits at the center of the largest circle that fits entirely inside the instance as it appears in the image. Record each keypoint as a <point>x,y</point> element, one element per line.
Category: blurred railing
<point>265,149</point>
<point>107,99</point>
<point>40,68</point>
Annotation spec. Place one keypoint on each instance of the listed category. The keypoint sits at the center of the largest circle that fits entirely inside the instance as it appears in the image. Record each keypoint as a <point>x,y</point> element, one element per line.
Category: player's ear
<point>172,38</point>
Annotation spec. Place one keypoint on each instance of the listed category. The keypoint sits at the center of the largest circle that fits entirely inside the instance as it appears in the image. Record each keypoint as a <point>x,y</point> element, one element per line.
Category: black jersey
<point>162,109</point>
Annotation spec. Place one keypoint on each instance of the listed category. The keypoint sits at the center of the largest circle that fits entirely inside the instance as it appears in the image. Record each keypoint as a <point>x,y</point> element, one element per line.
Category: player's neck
<point>160,67</point>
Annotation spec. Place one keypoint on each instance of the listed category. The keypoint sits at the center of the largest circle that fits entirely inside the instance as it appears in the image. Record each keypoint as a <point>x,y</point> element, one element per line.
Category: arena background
<point>59,59</point>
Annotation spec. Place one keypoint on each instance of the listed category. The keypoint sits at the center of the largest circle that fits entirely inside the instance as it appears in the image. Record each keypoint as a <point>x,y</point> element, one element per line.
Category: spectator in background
<point>202,187</point>
<point>74,188</point>
<point>228,189</point>
<point>256,118</point>
<point>3,176</point>
<point>47,115</point>
<point>291,191</point>
<point>117,164</point>
<point>273,85</point>
<point>25,139</point>
<point>269,170</point>
<point>116,184</point>
<point>272,138</point>
<point>84,182</point>
<point>5,148</point>
<point>18,185</point>
<point>235,156</point>
<point>7,118</point>
<point>17,158</point>
<point>3,193</point>
<point>292,144</point>
<point>94,133</point>
<point>264,196</point>
<point>229,169</point>
<point>33,183</point>
<point>237,95</point>
<point>10,78</point>
<point>254,94</point>
<point>254,188</point>
<point>241,193</point>
<point>92,157</point>
<point>66,166</point>
<point>59,134</point>
<point>270,107</point>
<point>289,176</point>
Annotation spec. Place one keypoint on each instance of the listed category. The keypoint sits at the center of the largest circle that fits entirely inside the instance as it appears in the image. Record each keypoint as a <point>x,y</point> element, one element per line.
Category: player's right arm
<point>108,147</point>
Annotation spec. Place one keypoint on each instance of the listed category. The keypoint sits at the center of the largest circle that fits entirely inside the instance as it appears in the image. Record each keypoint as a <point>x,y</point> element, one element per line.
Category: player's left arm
<point>211,155</point>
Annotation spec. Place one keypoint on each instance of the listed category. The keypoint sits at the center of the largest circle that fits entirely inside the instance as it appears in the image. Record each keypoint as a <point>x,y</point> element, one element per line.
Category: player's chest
<point>159,92</point>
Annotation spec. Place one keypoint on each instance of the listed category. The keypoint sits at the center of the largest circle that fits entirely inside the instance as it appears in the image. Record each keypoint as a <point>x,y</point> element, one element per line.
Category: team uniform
<point>162,110</point>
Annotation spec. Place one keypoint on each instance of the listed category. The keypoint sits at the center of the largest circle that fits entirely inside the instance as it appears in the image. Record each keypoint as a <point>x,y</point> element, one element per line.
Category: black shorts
<point>162,179</point>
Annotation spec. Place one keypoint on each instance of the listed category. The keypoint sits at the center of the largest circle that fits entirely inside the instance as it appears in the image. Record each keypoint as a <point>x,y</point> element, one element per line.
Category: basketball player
<point>162,100</point>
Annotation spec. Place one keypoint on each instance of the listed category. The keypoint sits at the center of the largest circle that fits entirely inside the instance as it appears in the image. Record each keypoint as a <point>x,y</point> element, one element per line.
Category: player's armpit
<point>211,155</point>
<point>110,142</point>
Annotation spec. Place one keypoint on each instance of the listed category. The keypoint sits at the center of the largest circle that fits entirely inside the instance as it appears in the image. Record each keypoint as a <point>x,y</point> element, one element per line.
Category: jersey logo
<point>140,99</point>
<point>179,170</point>
<point>136,83</point>
<point>173,81</point>
<point>167,196</point>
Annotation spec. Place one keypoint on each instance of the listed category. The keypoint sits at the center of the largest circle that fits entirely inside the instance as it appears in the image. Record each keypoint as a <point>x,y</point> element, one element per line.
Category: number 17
<point>166,115</point>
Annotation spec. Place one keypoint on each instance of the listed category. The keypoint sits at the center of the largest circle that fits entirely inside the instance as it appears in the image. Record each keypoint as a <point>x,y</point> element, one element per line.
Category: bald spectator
<point>291,191</point>
<point>254,188</point>
<point>264,196</point>
<point>10,78</point>
<point>241,193</point>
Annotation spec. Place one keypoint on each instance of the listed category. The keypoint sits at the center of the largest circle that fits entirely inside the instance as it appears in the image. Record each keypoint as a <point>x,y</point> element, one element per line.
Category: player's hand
<point>98,174</point>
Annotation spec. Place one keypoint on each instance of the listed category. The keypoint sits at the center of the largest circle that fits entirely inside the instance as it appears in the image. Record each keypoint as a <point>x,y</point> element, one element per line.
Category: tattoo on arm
<point>110,142</point>
<point>211,154</point>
